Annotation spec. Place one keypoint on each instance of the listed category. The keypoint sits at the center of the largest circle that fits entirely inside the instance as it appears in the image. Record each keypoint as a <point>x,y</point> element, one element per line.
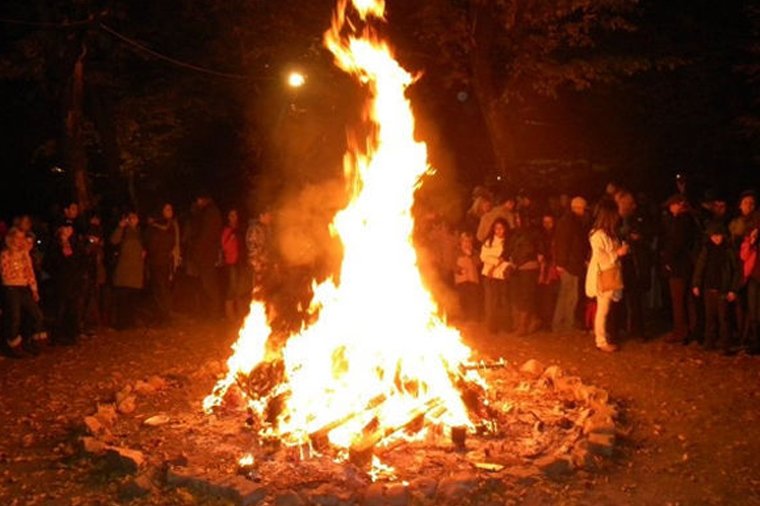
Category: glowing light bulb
<point>296,80</point>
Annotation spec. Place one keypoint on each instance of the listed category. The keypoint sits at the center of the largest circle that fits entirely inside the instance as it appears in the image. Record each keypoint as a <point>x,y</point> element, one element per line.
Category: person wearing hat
<point>680,235</point>
<point>571,249</point>
<point>716,280</point>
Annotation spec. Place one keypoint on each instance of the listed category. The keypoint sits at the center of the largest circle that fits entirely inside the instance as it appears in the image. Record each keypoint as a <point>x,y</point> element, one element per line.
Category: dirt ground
<point>695,416</point>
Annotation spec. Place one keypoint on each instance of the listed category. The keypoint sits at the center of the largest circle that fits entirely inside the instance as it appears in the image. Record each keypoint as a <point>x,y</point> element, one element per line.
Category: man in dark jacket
<point>204,250</point>
<point>679,237</point>
<point>159,245</point>
<point>636,265</point>
<point>571,252</point>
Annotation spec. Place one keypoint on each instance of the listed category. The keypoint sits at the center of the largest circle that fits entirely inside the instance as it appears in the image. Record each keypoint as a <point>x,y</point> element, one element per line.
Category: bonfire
<point>378,361</point>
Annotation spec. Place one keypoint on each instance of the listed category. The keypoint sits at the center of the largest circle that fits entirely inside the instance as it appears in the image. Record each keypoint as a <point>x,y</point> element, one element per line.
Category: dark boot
<point>14,352</point>
<point>31,347</point>
<point>753,338</point>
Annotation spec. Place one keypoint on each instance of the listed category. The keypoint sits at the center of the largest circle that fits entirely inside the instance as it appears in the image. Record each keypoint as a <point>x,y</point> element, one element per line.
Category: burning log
<point>319,437</point>
<point>262,379</point>
<point>361,452</point>
<point>483,365</point>
<point>473,395</point>
<point>275,406</point>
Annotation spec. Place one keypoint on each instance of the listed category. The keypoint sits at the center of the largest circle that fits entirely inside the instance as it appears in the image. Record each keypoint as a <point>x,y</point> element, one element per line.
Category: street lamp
<point>296,79</point>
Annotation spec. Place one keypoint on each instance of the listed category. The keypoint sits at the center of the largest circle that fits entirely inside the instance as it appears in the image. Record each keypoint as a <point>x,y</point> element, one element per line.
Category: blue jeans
<point>567,300</point>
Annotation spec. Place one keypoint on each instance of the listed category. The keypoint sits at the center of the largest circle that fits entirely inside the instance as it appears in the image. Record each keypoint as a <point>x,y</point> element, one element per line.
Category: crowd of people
<point>64,281</point>
<point>517,265</point>
<point>611,268</point>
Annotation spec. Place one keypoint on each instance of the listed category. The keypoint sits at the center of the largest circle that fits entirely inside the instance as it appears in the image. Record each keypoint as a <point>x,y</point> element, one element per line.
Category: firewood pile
<point>534,423</point>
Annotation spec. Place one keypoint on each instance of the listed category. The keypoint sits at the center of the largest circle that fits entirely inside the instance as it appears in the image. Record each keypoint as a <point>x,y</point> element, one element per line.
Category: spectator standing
<point>564,205</point>
<point>636,265</point>
<point>482,203</point>
<point>71,215</point>
<point>94,307</point>
<point>128,276</point>
<point>66,265</point>
<point>606,251</point>
<point>237,280</point>
<point>714,208</point>
<point>20,297</point>
<point>496,269</point>
<point>167,215</point>
<point>548,279</point>
<point>525,208</point>
<point>204,249</point>
<point>261,258</point>
<point>524,252</point>
<point>747,219</point>
<point>570,254</point>
<point>717,278</point>
<point>24,224</point>
<point>679,237</point>
<point>160,242</point>
<point>751,279</point>
<point>505,211</point>
<point>467,279</point>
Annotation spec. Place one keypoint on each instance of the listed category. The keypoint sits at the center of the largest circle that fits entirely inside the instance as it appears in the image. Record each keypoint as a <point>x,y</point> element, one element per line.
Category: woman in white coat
<point>606,250</point>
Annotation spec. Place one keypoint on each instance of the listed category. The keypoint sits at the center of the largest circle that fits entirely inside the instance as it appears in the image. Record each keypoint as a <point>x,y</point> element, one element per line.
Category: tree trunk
<point>487,90</point>
<point>132,189</point>
<point>76,155</point>
<point>103,115</point>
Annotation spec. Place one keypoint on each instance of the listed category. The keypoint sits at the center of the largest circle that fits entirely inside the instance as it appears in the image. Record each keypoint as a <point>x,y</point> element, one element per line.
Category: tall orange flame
<point>377,333</point>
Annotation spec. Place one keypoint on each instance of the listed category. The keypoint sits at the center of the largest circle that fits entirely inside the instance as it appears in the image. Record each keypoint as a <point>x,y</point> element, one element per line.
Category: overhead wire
<point>141,47</point>
<point>135,45</point>
<point>46,24</point>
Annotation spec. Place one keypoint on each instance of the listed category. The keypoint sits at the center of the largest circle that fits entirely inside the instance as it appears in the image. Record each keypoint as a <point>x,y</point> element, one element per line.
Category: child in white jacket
<point>495,272</point>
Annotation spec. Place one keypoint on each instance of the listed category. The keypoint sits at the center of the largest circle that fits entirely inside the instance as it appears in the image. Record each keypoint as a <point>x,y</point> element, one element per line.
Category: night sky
<point>242,133</point>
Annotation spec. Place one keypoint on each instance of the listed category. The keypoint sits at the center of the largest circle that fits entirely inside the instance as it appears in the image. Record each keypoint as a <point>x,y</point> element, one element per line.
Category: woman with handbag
<point>604,278</point>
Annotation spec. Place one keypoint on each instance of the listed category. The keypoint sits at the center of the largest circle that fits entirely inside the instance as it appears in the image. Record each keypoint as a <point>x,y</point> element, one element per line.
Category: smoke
<point>303,225</point>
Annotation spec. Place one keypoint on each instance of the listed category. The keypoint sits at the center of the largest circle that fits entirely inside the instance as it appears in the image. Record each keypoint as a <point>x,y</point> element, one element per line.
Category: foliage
<point>531,47</point>
<point>513,54</point>
<point>749,121</point>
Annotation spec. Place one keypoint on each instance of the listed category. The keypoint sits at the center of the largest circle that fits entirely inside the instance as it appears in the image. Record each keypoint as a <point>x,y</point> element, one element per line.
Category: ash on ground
<point>544,426</point>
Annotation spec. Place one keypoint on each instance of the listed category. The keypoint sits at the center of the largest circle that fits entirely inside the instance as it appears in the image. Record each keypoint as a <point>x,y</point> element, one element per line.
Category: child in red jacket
<point>751,278</point>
